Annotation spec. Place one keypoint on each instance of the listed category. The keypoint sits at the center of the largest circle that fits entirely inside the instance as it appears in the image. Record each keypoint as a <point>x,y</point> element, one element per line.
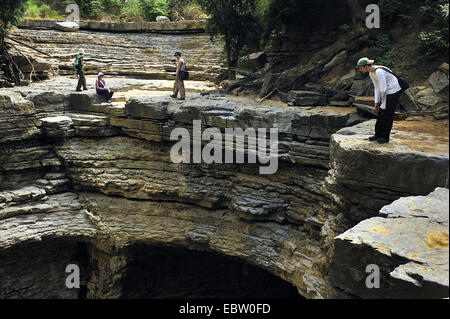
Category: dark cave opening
<point>38,270</point>
<point>178,273</point>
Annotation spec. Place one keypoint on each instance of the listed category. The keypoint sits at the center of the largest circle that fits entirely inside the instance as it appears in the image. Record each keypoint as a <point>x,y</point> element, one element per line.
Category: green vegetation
<point>186,9</point>
<point>11,12</point>
<point>393,10</point>
<point>37,9</point>
<point>116,10</point>
<point>236,22</point>
<point>382,53</point>
<point>434,43</point>
<point>305,15</point>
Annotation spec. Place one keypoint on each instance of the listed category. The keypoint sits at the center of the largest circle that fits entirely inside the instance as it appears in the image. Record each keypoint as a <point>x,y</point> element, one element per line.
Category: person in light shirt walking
<point>387,93</point>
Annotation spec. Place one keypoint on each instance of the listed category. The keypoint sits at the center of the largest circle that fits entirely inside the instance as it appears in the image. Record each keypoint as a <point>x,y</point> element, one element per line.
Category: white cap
<point>100,74</point>
<point>81,51</point>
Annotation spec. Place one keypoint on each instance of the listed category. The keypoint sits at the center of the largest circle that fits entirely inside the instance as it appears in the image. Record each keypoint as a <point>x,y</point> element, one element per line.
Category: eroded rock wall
<point>102,174</point>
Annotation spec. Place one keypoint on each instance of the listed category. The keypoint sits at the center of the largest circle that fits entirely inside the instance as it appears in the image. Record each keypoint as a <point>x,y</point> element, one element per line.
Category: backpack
<point>184,75</point>
<point>404,85</point>
<point>77,63</point>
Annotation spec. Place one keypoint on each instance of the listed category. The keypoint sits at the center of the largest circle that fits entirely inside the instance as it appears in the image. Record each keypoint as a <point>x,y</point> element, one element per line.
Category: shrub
<point>405,20</point>
<point>392,9</point>
<point>153,8</point>
<point>432,44</point>
<point>237,23</point>
<point>132,11</point>
<point>435,12</point>
<point>382,52</point>
<point>193,11</point>
<point>37,9</point>
<point>344,28</point>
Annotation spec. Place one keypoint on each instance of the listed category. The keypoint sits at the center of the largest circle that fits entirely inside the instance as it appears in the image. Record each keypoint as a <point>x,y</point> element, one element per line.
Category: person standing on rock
<point>179,77</point>
<point>79,67</point>
<point>102,88</point>
<point>387,93</point>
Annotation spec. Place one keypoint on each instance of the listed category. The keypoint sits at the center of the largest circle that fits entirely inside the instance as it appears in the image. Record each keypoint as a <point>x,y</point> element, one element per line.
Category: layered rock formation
<point>408,244</point>
<point>139,55</point>
<point>185,26</point>
<point>75,168</point>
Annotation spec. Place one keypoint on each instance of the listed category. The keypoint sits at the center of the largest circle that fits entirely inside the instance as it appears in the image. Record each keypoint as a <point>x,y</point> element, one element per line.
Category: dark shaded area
<point>38,270</point>
<point>169,273</point>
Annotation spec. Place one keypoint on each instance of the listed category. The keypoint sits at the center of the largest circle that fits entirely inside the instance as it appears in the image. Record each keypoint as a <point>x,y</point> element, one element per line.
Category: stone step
<point>22,194</point>
<point>306,98</point>
<point>89,119</point>
<point>57,126</point>
<point>117,109</point>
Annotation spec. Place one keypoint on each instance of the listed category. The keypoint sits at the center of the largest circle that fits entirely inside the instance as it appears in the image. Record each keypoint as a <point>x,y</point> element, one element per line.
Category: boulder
<point>439,79</point>
<point>67,26</point>
<point>428,101</point>
<point>407,103</point>
<point>367,175</point>
<point>162,19</point>
<point>254,61</point>
<point>57,127</point>
<point>409,245</point>
<point>362,87</point>
<point>306,98</point>
<point>346,80</point>
<point>338,59</point>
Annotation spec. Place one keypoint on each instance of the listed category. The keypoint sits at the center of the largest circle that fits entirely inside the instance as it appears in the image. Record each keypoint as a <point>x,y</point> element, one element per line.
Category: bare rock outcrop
<point>366,176</point>
<point>100,175</point>
<point>408,244</point>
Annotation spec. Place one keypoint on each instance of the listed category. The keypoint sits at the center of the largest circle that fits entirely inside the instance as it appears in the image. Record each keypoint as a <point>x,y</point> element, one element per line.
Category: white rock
<point>67,26</point>
<point>162,19</point>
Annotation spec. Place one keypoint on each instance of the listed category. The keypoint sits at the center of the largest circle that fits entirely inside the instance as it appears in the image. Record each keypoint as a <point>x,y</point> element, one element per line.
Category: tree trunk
<point>231,74</point>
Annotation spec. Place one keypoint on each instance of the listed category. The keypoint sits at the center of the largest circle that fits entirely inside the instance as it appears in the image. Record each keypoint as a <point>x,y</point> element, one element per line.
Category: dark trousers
<point>108,95</point>
<point>81,80</point>
<point>385,118</point>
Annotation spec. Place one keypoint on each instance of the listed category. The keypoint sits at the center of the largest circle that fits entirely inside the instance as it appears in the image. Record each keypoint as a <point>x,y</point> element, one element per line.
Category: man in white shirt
<point>387,92</point>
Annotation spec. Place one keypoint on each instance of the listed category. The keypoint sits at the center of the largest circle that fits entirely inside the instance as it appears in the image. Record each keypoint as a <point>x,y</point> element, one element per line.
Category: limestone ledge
<point>137,169</point>
<point>303,133</point>
<point>410,246</point>
<point>38,216</point>
<point>366,175</point>
<point>171,26</point>
<point>138,55</point>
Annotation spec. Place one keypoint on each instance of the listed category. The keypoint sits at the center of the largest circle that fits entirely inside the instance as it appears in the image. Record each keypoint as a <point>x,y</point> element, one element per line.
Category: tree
<point>10,13</point>
<point>309,15</point>
<point>236,21</point>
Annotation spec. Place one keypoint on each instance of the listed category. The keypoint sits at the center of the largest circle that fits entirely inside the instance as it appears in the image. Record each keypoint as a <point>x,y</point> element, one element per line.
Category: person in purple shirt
<point>102,88</point>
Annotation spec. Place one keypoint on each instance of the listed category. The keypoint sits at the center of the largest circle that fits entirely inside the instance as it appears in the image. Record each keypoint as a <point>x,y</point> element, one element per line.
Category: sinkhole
<point>38,270</point>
